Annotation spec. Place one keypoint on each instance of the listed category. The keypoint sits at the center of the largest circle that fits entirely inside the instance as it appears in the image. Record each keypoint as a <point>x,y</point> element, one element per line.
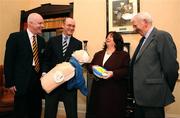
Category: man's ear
<point>63,25</point>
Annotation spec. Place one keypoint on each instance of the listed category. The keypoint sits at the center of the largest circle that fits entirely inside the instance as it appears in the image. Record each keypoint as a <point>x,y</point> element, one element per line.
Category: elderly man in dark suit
<point>59,49</point>
<point>154,68</point>
<point>22,64</point>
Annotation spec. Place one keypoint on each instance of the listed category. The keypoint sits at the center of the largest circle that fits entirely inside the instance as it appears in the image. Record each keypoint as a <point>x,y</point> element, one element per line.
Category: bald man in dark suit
<point>21,74</point>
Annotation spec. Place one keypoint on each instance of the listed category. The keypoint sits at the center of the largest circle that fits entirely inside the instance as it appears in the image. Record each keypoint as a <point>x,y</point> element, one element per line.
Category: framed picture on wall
<point>119,14</point>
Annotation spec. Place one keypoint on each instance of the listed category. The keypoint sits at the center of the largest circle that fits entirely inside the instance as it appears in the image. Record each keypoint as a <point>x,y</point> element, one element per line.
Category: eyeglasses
<point>70,25</point>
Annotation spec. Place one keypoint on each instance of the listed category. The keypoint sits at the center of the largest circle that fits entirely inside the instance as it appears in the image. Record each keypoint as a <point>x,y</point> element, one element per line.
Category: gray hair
<point>143,16</point>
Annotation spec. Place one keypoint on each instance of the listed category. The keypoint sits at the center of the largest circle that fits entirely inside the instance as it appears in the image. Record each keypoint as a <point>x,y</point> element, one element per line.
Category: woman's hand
<point>109,75</point>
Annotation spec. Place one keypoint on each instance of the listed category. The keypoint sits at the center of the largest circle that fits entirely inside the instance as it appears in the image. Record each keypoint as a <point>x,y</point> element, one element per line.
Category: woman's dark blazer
<point>108,96</point>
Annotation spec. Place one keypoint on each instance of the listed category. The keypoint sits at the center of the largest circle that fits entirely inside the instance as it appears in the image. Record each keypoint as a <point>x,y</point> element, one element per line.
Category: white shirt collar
<point>65,36</point>
<point>149,32</point>
<point>30,34</point>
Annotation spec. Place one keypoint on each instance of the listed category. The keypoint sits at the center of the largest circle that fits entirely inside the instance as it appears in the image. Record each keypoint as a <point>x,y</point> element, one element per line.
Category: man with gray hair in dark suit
<point>154,68</point>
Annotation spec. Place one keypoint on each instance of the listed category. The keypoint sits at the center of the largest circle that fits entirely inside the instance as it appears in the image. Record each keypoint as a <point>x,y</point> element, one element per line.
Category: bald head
<point>34,17</point>
<point>68,19</point>
<point>35,23</point>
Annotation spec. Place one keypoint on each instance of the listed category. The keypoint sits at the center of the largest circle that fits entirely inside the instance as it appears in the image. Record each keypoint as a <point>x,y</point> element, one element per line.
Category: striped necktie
<point>35,54</point>
<point>65,45</point>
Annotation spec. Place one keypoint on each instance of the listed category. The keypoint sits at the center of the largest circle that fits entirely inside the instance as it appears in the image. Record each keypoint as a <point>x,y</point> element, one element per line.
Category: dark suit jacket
<point>54,52</point>
<point>155,70</point>
<point>18,60</point>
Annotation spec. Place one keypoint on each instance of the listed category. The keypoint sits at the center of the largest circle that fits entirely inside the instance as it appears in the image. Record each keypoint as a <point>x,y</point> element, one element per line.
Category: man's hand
<point>13,89</point>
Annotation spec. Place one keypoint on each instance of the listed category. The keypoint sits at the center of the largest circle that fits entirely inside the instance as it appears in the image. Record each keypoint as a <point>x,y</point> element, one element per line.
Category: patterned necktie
<point>35,54</point>
<point>137,50</point>
<point>65,45</point>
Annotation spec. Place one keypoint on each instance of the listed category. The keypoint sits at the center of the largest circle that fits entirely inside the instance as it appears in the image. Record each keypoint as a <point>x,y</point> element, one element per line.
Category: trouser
<point>68,97</point>
<point>149,112</point>
<point>29,104</point>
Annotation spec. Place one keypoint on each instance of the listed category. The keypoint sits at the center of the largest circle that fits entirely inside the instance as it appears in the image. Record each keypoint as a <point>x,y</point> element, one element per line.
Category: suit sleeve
<point>80,45</point>
<point>9,60</point>
<point>47,57</point>
<point>168,58</point>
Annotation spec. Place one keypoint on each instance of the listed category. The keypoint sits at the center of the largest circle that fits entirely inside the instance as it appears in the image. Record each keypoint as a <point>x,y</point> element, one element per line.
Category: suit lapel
<point>27,41</point>
<point>70,44</point>
<point>148,41</point>
<point>59,46</point>
<point>108,61</point>
<point>102,57</point>
<point>39,44</point>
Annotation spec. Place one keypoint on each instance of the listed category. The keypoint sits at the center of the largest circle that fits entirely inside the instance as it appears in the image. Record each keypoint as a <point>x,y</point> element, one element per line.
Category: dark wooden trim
<point>48,11</point>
